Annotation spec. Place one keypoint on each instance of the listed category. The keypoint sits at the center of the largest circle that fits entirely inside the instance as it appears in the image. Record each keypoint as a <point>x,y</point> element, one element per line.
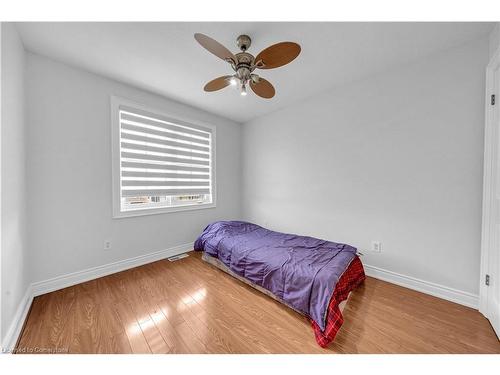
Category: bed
<point>313,277</point>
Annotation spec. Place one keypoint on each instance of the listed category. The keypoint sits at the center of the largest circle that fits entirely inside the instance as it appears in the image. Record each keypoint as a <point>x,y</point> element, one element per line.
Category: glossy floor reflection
<point>189,306</point>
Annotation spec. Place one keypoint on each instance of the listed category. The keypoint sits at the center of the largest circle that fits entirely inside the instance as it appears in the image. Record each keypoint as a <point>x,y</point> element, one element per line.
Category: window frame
<point>116,102</point>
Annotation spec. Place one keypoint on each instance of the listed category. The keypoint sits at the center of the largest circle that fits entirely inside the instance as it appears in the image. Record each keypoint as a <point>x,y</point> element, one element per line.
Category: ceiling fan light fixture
<point>244,63</point>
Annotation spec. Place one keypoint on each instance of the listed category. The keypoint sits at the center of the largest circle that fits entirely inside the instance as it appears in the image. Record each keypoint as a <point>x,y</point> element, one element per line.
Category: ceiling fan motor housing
<point>244,65</point>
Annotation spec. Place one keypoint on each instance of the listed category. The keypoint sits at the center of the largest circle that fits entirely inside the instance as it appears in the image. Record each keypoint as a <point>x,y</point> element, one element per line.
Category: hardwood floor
<point>188,306</point>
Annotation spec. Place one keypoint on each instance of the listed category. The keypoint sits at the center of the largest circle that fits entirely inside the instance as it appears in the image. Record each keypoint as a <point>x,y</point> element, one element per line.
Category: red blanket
<point>350,279</point>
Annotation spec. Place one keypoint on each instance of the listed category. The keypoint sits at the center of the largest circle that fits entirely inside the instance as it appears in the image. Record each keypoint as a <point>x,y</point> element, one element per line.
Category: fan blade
<point>278,55</point>
<point>211,45</point>
<point>263,88</point>
<point>217,84</point>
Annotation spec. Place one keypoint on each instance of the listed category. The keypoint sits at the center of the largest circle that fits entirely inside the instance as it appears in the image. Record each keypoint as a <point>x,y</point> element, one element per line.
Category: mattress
<point>313,277</point>
<point>217,263</point>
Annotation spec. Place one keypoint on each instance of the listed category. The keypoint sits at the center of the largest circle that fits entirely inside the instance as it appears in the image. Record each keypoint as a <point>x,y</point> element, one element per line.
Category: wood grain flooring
<point>189,306</point>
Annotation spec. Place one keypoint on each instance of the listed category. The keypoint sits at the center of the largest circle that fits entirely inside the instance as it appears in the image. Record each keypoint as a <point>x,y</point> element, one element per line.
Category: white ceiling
<point>165,58</point>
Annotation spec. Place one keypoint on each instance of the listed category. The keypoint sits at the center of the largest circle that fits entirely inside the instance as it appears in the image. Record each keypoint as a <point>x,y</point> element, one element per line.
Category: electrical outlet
<point>376,246</point>
<point>107,245</point>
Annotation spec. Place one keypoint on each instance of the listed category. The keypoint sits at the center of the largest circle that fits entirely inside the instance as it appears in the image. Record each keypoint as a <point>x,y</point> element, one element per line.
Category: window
<point>160,164</point>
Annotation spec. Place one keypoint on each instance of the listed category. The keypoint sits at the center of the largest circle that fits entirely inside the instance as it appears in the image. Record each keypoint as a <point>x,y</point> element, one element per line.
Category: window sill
<point>158,211</point>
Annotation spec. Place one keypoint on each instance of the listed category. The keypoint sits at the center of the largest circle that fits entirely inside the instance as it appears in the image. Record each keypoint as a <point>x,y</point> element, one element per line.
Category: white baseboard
<point>436,290</point>
<point>56,283</point>
<point>78,277</point>
<point>10,339</point>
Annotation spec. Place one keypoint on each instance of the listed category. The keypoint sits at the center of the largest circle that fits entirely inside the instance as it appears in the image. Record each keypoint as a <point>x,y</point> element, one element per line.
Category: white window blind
<point>163,162</point>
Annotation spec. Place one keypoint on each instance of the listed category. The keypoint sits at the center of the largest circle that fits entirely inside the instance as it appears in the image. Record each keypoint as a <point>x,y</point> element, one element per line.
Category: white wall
<point>13,241</point>
<point>396,158</point>
<point>69,174</point>
<point>494,39</point>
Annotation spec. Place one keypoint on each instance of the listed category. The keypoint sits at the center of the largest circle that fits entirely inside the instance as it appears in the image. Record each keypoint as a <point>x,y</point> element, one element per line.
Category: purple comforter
<point>301,271</point>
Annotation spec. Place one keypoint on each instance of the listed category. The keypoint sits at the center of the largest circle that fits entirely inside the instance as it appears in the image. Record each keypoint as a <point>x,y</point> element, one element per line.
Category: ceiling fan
<point>244,64</point>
